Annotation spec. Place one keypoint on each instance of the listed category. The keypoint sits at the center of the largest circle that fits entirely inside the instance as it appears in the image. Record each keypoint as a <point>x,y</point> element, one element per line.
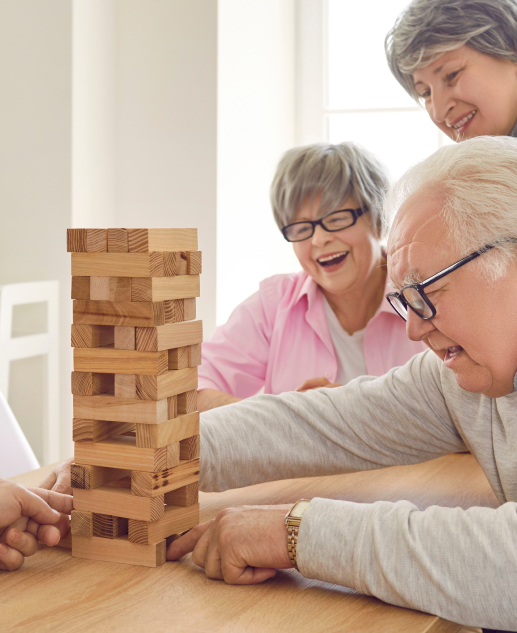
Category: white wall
<point>256,103</point>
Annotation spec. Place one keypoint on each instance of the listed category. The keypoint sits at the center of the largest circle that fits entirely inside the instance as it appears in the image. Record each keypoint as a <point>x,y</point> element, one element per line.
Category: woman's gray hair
<point>478,178</point>
<point>428,28</point>
<point>332,174</point>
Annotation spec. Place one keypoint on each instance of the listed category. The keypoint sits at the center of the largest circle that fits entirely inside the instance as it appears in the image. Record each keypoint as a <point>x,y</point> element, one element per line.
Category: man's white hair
<point>479,180</point>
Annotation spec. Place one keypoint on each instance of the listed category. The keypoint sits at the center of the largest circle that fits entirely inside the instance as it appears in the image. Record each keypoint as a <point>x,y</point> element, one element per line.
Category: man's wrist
<point>293,521</point>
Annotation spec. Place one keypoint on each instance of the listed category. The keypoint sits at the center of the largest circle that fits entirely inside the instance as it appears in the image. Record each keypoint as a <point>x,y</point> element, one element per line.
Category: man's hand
<point>316,383</point>
<point>242,546</point>
<point>59,478</point>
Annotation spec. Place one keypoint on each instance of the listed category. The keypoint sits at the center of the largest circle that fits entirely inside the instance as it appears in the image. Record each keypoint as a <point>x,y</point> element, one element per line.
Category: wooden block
<point>176,519</point>
<point>194,265</point>
<point>153,484</point>
<point>92,384</point>
<point>125,386</point>
<point>127,313</point>
<point>167,384</point>
<point>170,336</point>
<point>164,288</point>
<point>117,241</point>
<point>99,288</point>
<point>187,402</point>
<point>92,335</point>
<point>96,240</point>
<point>120,409</point>
<point>98,430</point>
<point>115,361</point>
<point>76,240</point>
<point>119,289</point>
<point>81,523</point>
<point>120,264</point>
<point>178,358</point>
<point>174,430</point>
<point>66,542</point>
<point>125,337</point>
<point>145,240</point>
<point>121,452</point>
<point>89,477</point>
<point>194,355</point>
<point>184,496</point>
<point>189,309</point>
<point>119,550</point>
<point>173,310</point>
<point>189,448</point>
<point>121,502</point>
<point>173,455</point>
<point>108,526</point>
<point>172,407</point>
<point>81,288</point>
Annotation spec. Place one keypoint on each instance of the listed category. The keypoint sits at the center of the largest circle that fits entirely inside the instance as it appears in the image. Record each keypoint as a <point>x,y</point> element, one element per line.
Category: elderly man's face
<point>474,331</point>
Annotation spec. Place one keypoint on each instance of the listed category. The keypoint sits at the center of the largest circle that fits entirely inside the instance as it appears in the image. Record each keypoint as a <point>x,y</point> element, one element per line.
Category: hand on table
<point>242,546</point>
<point>316,383</point>
<point>59,478</point>
<point>26,517</point>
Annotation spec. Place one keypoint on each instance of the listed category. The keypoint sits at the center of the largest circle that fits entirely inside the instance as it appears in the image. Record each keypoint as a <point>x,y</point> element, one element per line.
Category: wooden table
<point>55,592</point>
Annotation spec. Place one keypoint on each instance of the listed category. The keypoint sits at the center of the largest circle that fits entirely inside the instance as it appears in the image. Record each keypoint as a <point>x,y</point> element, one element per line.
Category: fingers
<point>48,535</point>
<point>10,559</point>
<point>49,480</point>
<point>188,541</point>
<point>63,481</point>
<point>313,383</point>
<point>24,542</point>
<point>60,502</point>
<point>234,575</point>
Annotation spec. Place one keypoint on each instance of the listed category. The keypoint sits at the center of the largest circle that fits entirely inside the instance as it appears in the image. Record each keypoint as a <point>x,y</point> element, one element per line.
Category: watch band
<point>292,524</point>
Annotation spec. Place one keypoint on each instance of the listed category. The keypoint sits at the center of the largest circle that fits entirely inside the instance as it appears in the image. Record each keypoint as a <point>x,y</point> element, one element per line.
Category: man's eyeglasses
<point>413,295</point>
<point>335,221</point>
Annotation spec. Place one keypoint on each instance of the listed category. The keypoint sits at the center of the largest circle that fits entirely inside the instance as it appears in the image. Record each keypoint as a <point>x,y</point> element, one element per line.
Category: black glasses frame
<point>419,287</point>
<point>356,213</point>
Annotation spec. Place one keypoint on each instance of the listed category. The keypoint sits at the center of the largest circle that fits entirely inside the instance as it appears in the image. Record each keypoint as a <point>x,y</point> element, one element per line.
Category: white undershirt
<point>349,348</point>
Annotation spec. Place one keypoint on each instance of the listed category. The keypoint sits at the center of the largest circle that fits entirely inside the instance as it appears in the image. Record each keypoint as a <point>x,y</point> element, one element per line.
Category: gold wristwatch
<point>293,520</point>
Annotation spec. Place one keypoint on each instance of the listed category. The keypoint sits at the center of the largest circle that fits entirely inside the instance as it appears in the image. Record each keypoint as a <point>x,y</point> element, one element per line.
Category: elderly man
<point>452,255</point>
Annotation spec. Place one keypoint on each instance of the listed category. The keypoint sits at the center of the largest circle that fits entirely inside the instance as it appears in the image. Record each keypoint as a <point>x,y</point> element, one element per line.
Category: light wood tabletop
<point>55,592</point>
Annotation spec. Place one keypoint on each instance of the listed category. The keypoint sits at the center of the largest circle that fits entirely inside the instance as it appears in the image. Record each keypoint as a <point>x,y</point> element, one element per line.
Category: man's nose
<point>416,327</point>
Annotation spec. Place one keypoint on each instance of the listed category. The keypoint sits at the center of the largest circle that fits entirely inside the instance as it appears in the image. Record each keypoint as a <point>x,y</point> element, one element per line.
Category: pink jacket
<point>279,337</point>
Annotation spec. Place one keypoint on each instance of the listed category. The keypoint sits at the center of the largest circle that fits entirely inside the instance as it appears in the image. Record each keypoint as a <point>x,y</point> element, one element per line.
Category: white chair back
<point>16,455</point>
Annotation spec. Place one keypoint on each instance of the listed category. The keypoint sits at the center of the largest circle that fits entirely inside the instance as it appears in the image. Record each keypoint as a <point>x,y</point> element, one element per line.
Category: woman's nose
<point>320,236</point>
<point>417,328</point>
<point>441,103</point>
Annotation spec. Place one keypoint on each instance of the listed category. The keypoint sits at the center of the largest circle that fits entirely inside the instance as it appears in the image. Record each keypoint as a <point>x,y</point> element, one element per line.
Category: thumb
<point>34,507</point>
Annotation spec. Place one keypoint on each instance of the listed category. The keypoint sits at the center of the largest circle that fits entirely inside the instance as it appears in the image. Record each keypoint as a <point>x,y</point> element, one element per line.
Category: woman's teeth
<point>465,119</point>
<point>332,260</point>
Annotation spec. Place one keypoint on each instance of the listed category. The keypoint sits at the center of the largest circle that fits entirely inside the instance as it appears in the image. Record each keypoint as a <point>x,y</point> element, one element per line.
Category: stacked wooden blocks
<point>136,425</point>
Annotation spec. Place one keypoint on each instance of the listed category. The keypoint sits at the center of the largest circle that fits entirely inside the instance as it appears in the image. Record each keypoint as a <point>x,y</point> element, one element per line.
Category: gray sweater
<point>459,564</point>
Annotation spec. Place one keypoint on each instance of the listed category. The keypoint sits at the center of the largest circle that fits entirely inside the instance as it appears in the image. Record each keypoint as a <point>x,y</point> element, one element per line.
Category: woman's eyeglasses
<point>335,221</point>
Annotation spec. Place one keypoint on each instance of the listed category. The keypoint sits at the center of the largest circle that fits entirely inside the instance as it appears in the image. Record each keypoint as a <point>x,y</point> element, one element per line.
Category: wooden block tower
<point>136,345</point>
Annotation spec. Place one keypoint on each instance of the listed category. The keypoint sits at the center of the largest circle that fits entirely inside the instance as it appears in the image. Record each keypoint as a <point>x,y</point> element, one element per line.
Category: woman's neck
<point>356,307</point>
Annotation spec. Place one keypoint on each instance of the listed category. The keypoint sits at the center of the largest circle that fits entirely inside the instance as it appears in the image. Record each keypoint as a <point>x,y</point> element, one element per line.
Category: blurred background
<point>172,113</point>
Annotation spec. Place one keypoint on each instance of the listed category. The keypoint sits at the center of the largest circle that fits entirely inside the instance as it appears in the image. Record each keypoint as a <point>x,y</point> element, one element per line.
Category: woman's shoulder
<point>282,287</point>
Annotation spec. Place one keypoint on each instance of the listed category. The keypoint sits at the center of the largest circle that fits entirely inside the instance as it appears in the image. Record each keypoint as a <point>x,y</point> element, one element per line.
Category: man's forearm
<point>212,399</point>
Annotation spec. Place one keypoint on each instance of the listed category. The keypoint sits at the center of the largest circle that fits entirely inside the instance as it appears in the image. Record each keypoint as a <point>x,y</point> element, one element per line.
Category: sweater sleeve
<point>399,418</point>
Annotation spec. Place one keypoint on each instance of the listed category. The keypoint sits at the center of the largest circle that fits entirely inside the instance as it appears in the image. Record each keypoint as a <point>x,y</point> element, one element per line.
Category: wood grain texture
<point>115,361</point>
<point>184,496</point>
<point>116,409</point>
<point>178,358</point>
<point>119,264</point>
<point>98,430</point>
<point>81,523</point>
<point>125,337</point>
<point>170,336</point>
<point>189,448</point>
<point>145,240</point>
<point>164,288</point>
<point>92,335</point>
<point>187,402</point>
<point>121,452</point>
<point>81,288</point>
<point>149,484</point>
<point>88,477</point>
<point>92,384</point>
<point>194,355</point>
<point>189,309</point>
<point>76,240</point>
<point>172,407</point>
<point>119,289</point>
<point>176,519</point>
<point>173,454</point>
<point>96,240</point>
<point>117,241</point>
<point>176,263</point>
<point>120,502</point>
<point>118,550</point>
<point>99,289</point>
<point>125,386</point>
<point>108,526</point>
<point>194,262</point>
<point>173,309</point>
<point>174,430</point>
<point>126,313</point>
<point>166,385</point>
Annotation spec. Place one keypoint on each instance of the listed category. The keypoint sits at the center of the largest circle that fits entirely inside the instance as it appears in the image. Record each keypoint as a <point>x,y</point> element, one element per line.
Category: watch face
<point>299,508</point>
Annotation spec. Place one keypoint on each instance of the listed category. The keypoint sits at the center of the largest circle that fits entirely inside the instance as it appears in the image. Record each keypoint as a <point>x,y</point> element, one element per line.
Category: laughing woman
<point>329,323</point>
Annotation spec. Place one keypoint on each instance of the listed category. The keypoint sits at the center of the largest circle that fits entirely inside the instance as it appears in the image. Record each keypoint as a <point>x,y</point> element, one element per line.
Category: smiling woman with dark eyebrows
<point>459,59</point>
<point>329,323</point>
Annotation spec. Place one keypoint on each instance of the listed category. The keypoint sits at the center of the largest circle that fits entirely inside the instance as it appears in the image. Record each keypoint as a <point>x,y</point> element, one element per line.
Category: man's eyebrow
<point>414,277</point>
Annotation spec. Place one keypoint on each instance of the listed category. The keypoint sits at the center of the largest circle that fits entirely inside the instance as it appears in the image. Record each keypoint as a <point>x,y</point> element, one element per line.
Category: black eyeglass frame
<point>356,213</point>
<point>419,287</point>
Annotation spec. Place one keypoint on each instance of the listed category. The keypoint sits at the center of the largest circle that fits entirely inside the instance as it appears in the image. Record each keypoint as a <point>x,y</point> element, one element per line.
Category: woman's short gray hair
<point>479,180</point>
<point>428,28</point>
<point>332,173</point>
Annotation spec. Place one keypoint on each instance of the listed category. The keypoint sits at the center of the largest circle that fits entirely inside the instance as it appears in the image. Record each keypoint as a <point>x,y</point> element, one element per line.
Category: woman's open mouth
<point>333,260</point>
<point>461,126</point>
